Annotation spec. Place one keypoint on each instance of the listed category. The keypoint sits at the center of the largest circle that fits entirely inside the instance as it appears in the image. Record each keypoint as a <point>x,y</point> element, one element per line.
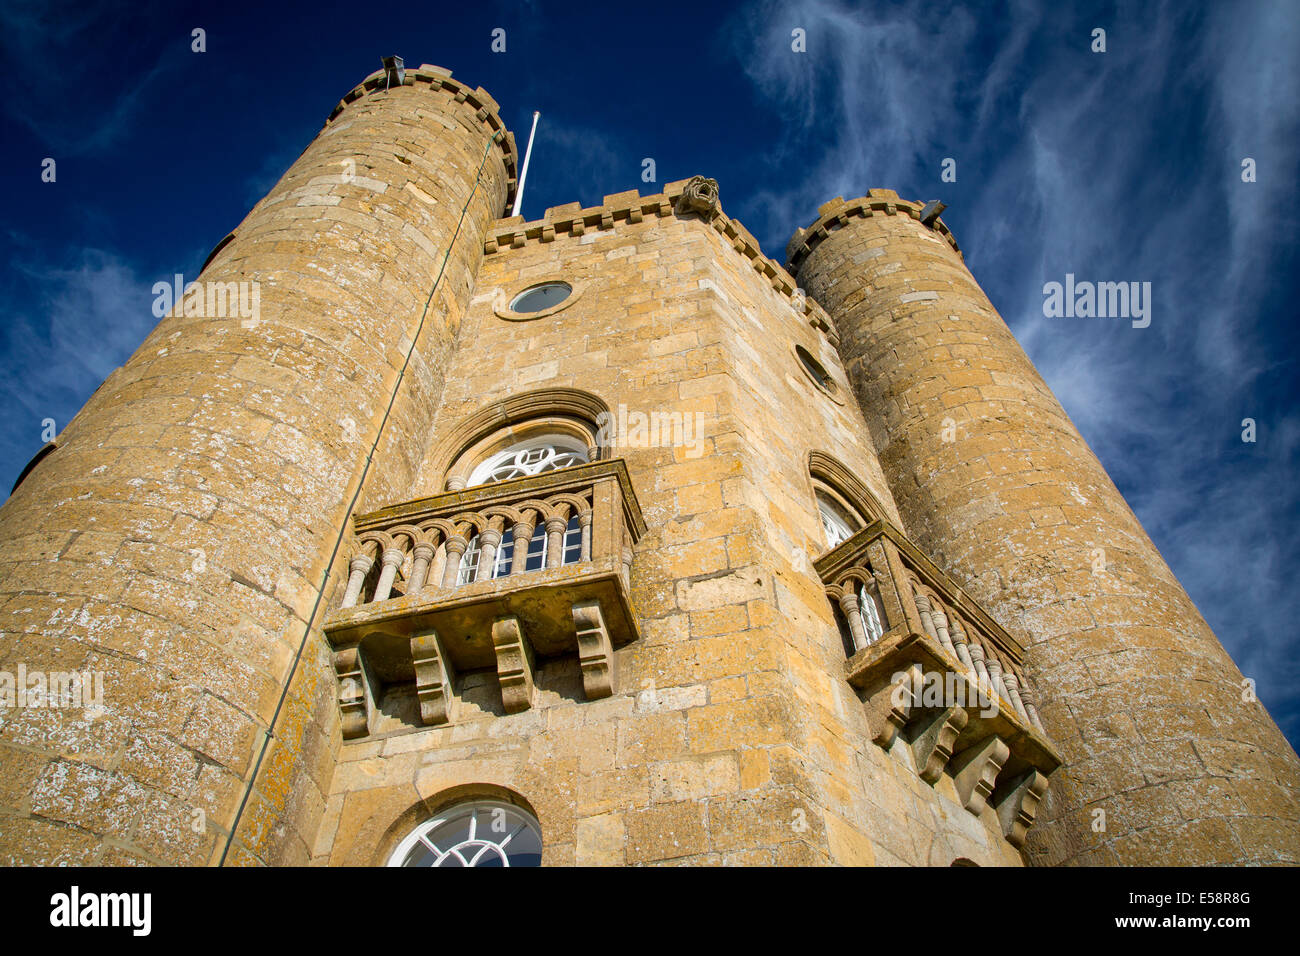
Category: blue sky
<point>1123,165</point>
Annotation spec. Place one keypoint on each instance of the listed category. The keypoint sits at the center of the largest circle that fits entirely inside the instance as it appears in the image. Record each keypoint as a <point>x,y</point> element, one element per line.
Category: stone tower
<point>179,537</point>
<point>992,477</point>
<point>487,541</point>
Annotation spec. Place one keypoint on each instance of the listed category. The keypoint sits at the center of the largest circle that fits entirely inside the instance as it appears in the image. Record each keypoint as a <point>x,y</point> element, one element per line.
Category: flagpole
<point>523,174</point>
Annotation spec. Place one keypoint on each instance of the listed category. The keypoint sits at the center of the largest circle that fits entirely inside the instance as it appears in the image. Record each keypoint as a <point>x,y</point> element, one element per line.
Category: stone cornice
<point>481,496</point>
<point>836,213</point>
<point>631,207</point>
<point>479,99</point>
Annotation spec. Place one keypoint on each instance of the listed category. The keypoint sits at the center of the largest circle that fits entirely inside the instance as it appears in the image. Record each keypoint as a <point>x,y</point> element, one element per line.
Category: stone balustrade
<point>497,576</point>
<point>934,670</point>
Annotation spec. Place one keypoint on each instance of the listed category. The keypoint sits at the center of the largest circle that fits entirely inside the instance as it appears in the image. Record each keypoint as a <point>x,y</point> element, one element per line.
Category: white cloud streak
<point>1115,166</point>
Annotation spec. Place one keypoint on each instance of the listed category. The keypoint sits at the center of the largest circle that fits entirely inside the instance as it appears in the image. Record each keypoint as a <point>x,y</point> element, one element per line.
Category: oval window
<point>815,370</point>
<point>541,297</point>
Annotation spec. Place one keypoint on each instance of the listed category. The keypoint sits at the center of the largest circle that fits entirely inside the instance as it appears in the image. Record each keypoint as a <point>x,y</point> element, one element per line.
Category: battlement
<point>363,572</point>
<point>631,207</point>
<point>836,213</point>
<point>438,78</point>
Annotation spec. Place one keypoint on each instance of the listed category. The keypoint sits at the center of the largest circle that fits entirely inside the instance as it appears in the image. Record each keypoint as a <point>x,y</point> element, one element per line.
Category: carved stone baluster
<point>975,772</point>
<point>995,675</point>
<point>853,614</point>
<point>555,541</point>
<point>933,745</point>
<point>1013,692</point>
<point>523,537</point>
<point>488,541</point>
<point>923,607</point>
<point>359,567</point>
<point>434,678</point>
<point>392,560</point>
<point>438,567</point>
<point>514,664</point>
<point>595,650</point>
<point>1018,806</point>
<point>959,642</point>
<point>940,620</point>
<point>981,672</point>
<point>352,692</point>
<point>1031,708</point>
<point>421,555</point>
<point>457,545</point>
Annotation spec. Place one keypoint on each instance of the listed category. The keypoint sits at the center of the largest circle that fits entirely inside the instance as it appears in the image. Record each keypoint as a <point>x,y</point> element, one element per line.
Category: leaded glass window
<point>532,457</point>
<point>485,833</point>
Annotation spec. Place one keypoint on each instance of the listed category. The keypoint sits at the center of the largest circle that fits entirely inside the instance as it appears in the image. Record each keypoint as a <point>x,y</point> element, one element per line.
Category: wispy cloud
<point>57,50</point>
<point>857,105</point>
<point>1116,166</point>
<point>89,318</point>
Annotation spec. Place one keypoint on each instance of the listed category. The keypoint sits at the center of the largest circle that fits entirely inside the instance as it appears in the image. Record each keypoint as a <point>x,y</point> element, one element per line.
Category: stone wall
<point>732,735</point>
<point>993,478</point>
<point>178,538</point>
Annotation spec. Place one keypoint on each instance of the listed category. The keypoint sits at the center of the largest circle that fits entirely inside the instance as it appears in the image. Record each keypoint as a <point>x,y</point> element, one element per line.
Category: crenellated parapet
<point>685,197</point>
<point>838,213</point>
<point>437,78</point>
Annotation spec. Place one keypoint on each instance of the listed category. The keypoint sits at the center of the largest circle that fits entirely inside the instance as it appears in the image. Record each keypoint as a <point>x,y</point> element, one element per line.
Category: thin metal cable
<point>343,528</point>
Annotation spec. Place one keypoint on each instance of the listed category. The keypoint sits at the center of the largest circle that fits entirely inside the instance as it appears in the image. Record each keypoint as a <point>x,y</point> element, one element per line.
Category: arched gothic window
<point>844,504</point>
<point>477,833</point>
<point>838,521</point>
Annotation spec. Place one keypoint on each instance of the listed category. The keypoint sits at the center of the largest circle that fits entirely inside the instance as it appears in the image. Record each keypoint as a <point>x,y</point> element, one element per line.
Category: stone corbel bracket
<point>595,650</point>
<point>994,757</point>
<point>434,678</point>
<point>515,668</point>
<point>1018,805</point>
<point>352,692</point>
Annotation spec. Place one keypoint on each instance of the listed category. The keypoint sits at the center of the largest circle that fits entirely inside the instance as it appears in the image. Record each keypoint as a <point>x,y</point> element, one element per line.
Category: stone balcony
<point>497,579</point>
<point>936,672</point>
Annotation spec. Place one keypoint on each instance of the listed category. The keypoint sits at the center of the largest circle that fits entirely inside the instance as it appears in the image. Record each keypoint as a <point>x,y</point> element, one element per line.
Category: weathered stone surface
<point>993,479</point>
<point>209,476</point>
<point>181,534</point>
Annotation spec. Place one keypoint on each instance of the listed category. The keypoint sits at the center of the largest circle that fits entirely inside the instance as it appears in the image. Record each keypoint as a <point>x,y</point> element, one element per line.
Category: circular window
<point>481,833</point>
<point>541,297</point>
<point>532,457</point>
<point>816,371</point>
